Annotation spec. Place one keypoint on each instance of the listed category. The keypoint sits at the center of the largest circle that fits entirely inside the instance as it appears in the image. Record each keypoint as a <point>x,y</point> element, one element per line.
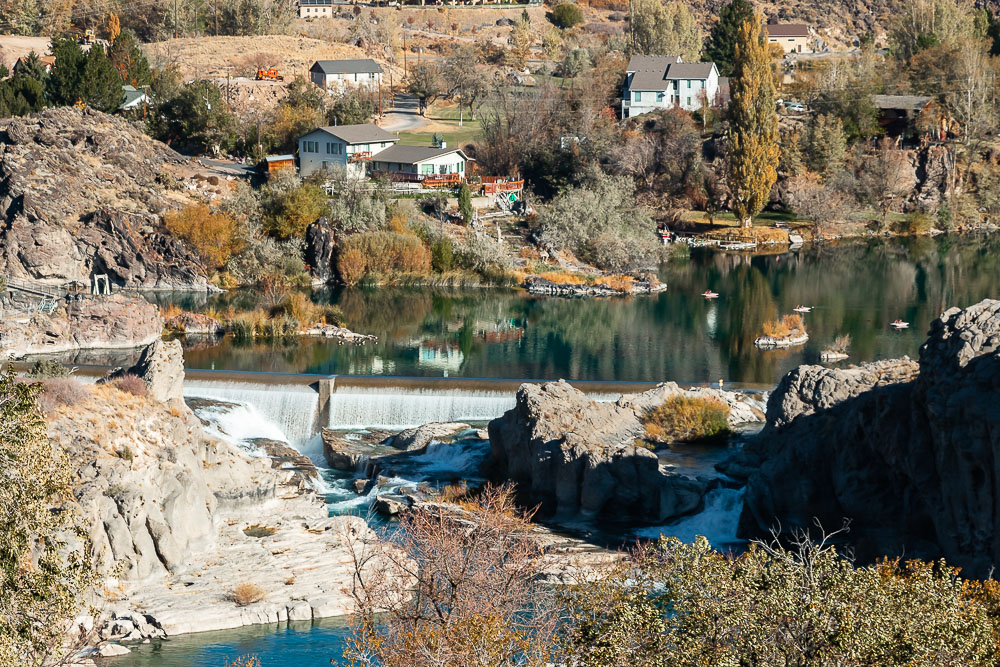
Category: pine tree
<point>465,203</point>
<point>753,124</point>
<point>64,85</point>
<point>102,87</point>
<point>720,47</point>
<point>129,60</point>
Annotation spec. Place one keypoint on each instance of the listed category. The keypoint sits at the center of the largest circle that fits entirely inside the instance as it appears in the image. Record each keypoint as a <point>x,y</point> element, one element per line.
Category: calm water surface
<point>300,644</point>
<point>855,288</point>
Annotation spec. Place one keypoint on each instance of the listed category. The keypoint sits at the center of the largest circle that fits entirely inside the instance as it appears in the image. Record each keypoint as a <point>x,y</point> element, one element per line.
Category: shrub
<point>787,326</point>
<point>566,15</point>
<point>381,254</point>
<point>299,307</point>
<point>673,603</point>
<point>257,530</point>
<point>465,208</point>
<point>131,384</point>
<point>213,235</point>
<point>915,224</point>
<point>483,254</point>
<point>351,266</point>
<point>246,594</point>
<point>685,418</point>
<point>47,368</point>
<point>125,453</point>
<point>60,391</point>
<point>442,254</point>
<point>841,343</point>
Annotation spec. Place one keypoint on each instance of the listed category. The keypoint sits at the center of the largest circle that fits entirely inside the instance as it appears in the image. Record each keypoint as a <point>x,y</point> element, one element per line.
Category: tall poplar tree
<point>753,124</point>
<point>720,47</point>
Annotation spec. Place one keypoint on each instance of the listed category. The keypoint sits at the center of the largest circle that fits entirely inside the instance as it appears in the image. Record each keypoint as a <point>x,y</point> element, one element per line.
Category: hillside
<point>81,193</point>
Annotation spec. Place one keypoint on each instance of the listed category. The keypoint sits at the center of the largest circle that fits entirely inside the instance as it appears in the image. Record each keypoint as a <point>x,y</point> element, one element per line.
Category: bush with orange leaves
<point>381,255</point>
<point>212,234</point>
<point>788,325</point>
<point>460,586</point>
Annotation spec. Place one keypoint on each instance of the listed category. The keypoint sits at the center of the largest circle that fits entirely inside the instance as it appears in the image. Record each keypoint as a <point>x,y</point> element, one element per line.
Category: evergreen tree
<point>64,85</point>
<point>720,47</point>
<point>753,124</point>
<point>102,87</point>
<point>195,120</point>
<point>826,145</point>
<point>20,95</point>
<point>465,203</point>
<point>32,67</point>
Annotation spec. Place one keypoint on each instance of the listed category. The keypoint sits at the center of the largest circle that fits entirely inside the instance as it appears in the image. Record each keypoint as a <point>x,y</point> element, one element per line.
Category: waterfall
<point>399,407</point>
<point>718,521</point>
<point>292,408</point>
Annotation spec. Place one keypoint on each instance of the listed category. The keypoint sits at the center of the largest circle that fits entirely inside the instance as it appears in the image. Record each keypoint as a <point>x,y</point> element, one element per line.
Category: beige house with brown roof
<point>792,37</point>
<point>662,82</point>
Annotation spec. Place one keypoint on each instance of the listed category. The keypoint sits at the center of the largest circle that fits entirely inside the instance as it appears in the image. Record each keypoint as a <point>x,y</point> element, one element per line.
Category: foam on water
<point>460,457</point>
<point>238,423</point>
<point>717,522</point>
<point>291,408</point>
<point>399,408</point>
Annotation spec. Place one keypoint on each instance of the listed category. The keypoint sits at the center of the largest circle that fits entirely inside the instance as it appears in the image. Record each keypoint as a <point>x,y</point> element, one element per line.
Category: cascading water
<point>399,408</point>
<point>717,522</point>
<point>289,407</point>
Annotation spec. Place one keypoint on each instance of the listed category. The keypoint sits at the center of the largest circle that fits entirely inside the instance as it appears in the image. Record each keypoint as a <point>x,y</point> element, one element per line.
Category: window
<point>461,167</point>
<point>688,103</point>
<point>689,83</point>
<point>426,169</point>
<point>329,147</point>
<point>659,97</point>
<point>638,96</point>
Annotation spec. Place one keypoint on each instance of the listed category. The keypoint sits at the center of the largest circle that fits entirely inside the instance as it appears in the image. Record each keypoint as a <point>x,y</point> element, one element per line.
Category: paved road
<point>403,116</point>
<point>227,167</point>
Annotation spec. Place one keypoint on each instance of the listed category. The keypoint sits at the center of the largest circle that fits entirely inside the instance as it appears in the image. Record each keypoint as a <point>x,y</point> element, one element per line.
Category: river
<point>855,288</point>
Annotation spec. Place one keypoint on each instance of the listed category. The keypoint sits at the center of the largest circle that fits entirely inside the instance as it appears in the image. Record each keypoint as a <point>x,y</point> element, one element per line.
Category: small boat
<point>899,324</point>
<point>709,294</point>
<point>802,309</point>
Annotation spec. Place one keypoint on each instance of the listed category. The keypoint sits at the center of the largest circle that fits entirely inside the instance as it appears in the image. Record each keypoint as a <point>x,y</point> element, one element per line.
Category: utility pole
<point>215,8</point>
<point>175,19</point>
<point>404,51</point>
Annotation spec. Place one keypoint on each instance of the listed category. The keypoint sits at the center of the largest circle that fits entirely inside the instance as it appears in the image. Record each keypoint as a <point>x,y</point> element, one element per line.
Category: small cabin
<point>276,163</point>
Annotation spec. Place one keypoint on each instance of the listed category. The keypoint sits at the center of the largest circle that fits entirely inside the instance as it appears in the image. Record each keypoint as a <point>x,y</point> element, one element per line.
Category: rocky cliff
<point>110,322</point>
<point>188,517</point>
<point>910,453</point>
<point>80,194</point>
<point>577,457</point>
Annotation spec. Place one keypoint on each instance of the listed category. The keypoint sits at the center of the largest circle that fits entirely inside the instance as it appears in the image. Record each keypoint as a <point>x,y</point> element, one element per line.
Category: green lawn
<point>454,135</point>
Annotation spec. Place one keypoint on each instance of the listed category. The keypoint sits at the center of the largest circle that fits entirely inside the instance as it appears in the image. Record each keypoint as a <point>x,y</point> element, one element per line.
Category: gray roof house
<point>337,73</point>
<point>349,147</point>
<point>420,161</point>
<point>661,82</point>
<point>132,98</point>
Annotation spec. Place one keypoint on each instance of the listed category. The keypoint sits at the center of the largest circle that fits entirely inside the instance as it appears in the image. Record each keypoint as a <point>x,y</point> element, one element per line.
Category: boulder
<point>908,452</point>
<point>391,505</point>
<point>161,367</point>
<point>109,322</point>
<point>320,252</point>
<point>353,455</point>
<point>577,457</point>
<point>418,438</point>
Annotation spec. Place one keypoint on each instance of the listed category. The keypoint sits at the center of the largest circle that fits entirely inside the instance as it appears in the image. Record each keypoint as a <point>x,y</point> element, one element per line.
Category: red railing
<point>497,187</point>
<point>360,156</point>
<point>441,180</point>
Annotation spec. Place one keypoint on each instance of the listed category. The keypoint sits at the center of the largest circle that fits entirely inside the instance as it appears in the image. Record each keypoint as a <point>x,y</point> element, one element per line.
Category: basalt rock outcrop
<point>320,252</point>
<point>81,193</point>
<point>177,518</point>
<point>909,453</point>
<point>111,322</point>
<point>577,457</point>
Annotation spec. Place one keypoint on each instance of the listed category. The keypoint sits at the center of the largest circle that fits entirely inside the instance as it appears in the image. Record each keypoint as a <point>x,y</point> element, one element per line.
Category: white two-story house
<point>662,82</point>
<point>348,147</point>
<point>338,74</point>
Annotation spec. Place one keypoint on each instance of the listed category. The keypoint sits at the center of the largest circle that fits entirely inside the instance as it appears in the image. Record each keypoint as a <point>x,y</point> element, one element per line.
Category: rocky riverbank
<point>907,451</point>
<point>579,459</point>
<point>180,520</point>
<point>108,322</point>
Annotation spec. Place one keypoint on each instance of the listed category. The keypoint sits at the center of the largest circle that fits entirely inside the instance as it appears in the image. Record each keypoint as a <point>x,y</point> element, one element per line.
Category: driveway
<point>403,116</point>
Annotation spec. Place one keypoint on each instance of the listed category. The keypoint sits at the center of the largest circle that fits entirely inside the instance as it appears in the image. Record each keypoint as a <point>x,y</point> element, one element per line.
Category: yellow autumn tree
<point>212,234</point>
<point>753,124</point>
<point>114,27</point>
